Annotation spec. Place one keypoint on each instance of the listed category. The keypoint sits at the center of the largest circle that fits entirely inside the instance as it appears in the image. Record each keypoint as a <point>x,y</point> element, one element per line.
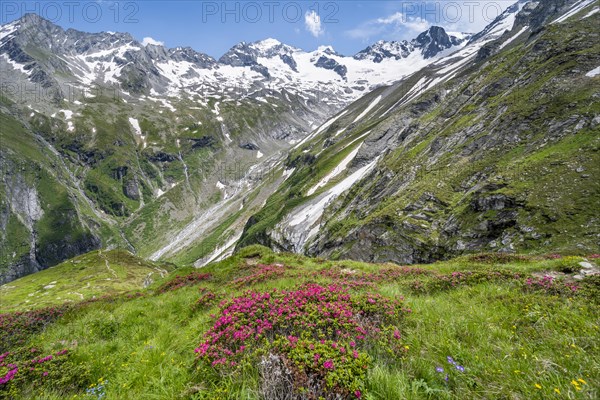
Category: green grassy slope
<point>510,334</point>
<point>95,274</point>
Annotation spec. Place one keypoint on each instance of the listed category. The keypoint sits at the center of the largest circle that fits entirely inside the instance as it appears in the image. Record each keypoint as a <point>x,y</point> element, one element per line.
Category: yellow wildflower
<point>582,381</point>
<point>537,385</point>
<point>557,390</point>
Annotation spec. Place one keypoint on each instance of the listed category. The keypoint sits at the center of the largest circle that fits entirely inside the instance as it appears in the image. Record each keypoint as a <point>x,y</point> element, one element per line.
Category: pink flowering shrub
<point>588,287</point>
<point>436,282</point>
<point>206,299</point>
<point>550,285</point>
<point>260,273</point>
<point>359,280</point>
<point>29,369</point>
<point>181,281</point>
<point>299,326</point>
<point>16,327</point>
<point>324,368</point>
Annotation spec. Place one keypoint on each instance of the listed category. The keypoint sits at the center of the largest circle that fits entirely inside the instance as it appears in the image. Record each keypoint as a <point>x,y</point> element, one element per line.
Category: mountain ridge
<point>402,197</point>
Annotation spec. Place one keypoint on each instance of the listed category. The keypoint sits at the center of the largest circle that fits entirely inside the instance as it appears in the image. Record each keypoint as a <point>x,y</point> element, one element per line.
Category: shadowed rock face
<point>40,236</point>
<point>331,64</point>
<point>433,41</point>
<point>429,43</point>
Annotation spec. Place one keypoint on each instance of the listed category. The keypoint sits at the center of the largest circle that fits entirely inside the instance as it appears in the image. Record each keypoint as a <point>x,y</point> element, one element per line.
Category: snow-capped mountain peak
<point>266,44</point>
<point>430,44</point>
<point>119,59</point>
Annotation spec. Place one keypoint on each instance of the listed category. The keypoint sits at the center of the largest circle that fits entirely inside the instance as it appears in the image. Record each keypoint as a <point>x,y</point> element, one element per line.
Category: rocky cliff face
<point>40,223</point>
<point>429,44</point>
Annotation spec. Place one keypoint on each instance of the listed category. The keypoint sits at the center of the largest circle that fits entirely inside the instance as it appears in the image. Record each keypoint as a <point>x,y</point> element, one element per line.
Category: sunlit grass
<point>513,344</point>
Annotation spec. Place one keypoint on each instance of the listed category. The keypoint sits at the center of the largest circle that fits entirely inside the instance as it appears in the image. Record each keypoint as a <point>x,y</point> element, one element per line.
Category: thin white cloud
<point>148,40</point>
<point>312,23</point>
<point>392,19</point>
<point>415,24</point>
<point>392,25</point>
<point>413,19</point>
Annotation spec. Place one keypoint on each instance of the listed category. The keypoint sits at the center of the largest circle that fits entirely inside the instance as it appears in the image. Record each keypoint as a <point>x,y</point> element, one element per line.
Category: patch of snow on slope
<point>303,223</point>
<point>259,154</point>
<point>369,108</point>
<point>16,65</point>
<point>164,102</point>
<point>220,252</point>
<point>67,113</point>
<point>413,92</point>
<point>288,172</point>
<point>574,10</point>
<point>339,132</point>
<point>321,129</point>
<point>138,131</point>
<point>503,25</point>
<point>327,124</point>
<point>135,124</point>
<point>8,29</point>
<point>336,171</point>
<point>594,11</point>
<point>510,40</point>
<point>593,73</point>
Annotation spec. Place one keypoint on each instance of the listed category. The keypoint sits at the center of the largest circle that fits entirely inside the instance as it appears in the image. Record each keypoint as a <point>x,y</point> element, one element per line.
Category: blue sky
<point>213,27</point>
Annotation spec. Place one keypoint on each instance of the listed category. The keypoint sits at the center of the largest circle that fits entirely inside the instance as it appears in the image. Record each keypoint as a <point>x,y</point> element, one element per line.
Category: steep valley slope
<point>109,143</point>
<point>496,152</point>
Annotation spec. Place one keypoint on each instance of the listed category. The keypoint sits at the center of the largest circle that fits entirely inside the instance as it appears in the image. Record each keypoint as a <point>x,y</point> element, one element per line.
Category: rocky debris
<point>493,202</point>
<point>162,157</point>
<point>249,146</point>
<point>131,189</point>
<point>289,60</point>
<point>202,142</point>
<point>333,65</point>
<point>587,269</point>
<point>276,379</point>
<point>148,280</point>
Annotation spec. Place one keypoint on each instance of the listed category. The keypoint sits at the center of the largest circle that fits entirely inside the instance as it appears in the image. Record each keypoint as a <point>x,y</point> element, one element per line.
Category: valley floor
<point>266,325</point>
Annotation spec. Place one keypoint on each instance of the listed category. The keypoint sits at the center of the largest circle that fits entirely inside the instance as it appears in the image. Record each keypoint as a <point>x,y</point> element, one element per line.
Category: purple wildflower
<point>439,369</point>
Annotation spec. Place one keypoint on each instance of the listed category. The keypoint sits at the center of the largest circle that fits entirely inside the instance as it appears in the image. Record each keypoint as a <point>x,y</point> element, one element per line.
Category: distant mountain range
<point>117,58</point>
<point>408,151</point>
